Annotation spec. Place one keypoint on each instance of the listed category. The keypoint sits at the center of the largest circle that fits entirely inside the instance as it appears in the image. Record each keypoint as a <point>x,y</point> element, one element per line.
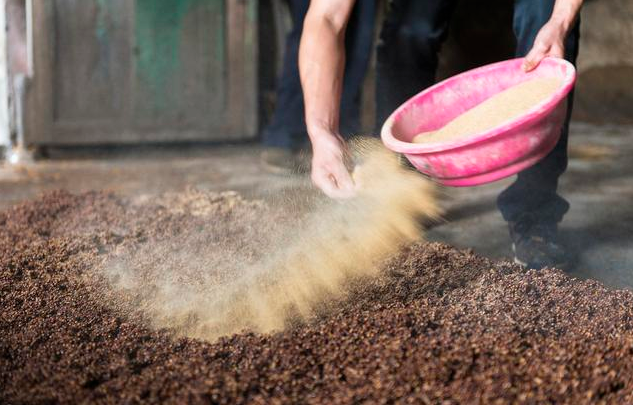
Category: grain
<point>442,326</point>
<point>497,110</point>
<point>306,263</point>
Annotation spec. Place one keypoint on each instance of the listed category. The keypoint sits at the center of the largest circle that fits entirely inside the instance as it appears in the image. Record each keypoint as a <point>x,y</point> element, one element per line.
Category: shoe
<point>535,245</point>
<point>279,160</point>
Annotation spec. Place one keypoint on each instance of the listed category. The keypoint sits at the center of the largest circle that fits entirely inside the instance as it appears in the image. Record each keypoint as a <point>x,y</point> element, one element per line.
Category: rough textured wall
<point>605,64</point>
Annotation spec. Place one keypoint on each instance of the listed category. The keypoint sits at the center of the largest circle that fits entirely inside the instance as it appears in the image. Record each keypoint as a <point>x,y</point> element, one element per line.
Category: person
<point>286,133</point>
<point>407,58</point>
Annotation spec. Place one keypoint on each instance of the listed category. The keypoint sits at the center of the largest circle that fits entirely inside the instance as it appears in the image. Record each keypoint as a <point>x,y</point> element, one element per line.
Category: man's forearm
<point>566,12</point>
<point>322,63</point>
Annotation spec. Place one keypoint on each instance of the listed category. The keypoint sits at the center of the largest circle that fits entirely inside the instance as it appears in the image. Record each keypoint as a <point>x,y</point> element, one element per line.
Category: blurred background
<point>146,96</point>
<point>147,71</point>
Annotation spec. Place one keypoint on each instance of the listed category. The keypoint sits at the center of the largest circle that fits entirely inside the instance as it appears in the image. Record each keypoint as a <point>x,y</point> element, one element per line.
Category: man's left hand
<point>550,41</point>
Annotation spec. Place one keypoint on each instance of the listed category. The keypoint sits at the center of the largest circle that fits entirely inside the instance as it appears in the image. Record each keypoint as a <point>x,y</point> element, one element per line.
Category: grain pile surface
<point>284,267</point>
<point>498,109</point>
<point>443,326</point>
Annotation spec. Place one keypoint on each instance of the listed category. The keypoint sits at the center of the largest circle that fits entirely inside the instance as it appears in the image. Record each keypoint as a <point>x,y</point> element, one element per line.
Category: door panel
<point>109,71</point>
<point>91,60</point>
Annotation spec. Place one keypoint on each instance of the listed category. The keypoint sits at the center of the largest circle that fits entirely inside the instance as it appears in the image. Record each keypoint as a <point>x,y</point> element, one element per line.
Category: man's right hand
<point>329,172</point>
<point>322,65</point>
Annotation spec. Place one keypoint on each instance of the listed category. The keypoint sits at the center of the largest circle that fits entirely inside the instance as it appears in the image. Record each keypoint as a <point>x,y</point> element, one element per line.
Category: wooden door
<point>116,71</point>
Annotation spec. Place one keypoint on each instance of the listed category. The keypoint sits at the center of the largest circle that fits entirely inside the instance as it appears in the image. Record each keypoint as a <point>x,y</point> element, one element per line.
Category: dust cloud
<point>257,273</point>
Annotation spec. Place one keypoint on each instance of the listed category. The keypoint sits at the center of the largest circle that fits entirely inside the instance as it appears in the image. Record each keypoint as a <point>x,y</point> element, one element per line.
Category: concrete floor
<point>598,230</point>
<point>598,184</point>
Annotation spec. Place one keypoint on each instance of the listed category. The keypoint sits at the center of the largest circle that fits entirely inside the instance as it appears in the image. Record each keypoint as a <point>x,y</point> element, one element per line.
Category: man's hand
<point>321,65</point>
<point>550,41</point>
<point>329,172</point>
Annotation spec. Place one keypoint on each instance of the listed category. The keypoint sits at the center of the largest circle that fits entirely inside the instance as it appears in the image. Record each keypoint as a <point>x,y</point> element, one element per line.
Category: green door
<point>110,71</point>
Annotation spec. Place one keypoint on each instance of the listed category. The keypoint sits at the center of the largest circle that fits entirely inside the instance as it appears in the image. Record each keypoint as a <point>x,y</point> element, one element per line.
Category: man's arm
<point>550,40</point>
<point>321,65</point>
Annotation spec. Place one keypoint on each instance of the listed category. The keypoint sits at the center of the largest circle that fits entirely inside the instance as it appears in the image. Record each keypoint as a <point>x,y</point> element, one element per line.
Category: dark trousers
<point>407,59</point>
<point>287,127</point>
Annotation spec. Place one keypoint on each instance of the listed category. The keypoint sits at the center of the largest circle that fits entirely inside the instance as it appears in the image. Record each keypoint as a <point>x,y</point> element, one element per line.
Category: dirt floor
<point>441,326</point>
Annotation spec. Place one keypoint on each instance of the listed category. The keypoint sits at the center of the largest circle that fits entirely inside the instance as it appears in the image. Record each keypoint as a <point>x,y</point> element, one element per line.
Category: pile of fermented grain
<point>498,109</point>
<point>299,265</point>
<point>442,326</point>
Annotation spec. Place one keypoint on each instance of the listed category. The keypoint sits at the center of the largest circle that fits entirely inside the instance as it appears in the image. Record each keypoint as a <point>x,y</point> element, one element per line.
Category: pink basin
<point>487,156</point>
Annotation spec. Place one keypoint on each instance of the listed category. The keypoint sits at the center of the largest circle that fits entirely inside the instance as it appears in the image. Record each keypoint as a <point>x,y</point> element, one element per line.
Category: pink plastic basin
<point>487,156</point>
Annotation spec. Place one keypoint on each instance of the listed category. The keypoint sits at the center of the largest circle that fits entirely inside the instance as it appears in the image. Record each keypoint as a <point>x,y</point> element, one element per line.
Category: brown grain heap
<point>442,326</point>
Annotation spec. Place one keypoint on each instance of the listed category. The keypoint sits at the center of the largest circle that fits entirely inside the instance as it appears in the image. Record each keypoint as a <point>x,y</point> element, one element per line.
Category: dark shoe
<point>535,245</point>
<point>279,160</point>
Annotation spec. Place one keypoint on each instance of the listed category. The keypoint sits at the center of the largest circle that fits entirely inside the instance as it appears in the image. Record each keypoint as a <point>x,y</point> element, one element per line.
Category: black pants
<point>287,127</point>
<point>407,60</point>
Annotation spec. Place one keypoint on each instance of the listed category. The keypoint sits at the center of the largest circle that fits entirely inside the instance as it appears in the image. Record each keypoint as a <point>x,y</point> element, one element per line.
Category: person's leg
<point>531,204</point>
<point>288,119</point>
<point>287,127</point>
<point>410,39</point>
<point>358,45</point>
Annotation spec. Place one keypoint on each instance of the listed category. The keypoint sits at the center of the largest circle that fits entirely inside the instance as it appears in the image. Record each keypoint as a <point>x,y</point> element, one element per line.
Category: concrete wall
<point>604,92</point>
